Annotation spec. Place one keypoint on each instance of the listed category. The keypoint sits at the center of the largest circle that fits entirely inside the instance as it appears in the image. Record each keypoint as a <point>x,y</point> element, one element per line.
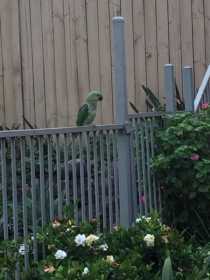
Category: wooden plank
<point>151,45</point>
<point>2,102</point>
<point>198,40</point>
<point>93,49</point>
<point>38,63</point>
<point>71,62</point>
<point>186,32</point>
<point>27,64</point>
<point>60,63</point>
<point>114,10</point>
<point>139,50</point>
<point>82,50</point>
<point>127,13</point>
<point>17,67</point>
<point>105,60</point>
<point>11,62</point>
<point>175,39</point>
<point>207,30</point>
<point>49,63</point>
<point>162,43</point>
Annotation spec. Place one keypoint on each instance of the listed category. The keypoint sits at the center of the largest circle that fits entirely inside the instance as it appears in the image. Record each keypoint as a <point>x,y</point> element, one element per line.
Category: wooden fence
<point>52,52</point>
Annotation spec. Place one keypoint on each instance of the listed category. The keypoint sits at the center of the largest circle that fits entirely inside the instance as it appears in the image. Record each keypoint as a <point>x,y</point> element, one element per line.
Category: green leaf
<point>167,272</point>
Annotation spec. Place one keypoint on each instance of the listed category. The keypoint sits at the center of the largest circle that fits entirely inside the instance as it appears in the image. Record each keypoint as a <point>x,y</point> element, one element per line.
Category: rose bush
<point>182,167</point>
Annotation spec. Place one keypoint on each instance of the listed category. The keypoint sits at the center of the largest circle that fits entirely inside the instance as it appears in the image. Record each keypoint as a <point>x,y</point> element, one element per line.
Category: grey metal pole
<point>121,117</point>
<point>188,88</point>
<point>170,87</point>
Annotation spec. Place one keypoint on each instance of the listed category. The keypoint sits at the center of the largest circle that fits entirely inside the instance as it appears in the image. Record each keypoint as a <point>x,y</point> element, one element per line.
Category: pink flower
<point>194,157</point>
<point>142,199</point>
<point>205,106</point>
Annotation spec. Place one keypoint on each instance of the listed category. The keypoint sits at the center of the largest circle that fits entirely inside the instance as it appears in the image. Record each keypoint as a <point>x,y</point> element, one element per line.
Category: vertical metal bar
<point>133,172</point>
<point>152,123</point>
<point>147,140</point>
<point>121,116</point>
<point>138,161</point>
<point>95,155</point>
<point>24,203</point>
<point>90,206</point>
<point>82,175</point>
<point>170,93</point>
<point>58,171</point>
<point>116,178</point>
<point>34,200</point>
<point>66,167</point>
<point>14,200</point>
<point>143,168</point>
<point>108,144</point>
<point>4,188</point>
<point>74,175</point>
<point>14,189</point>
<point>50,177</point>
<point>42,187</point>
<point>188,88</point>
<point>42,183</point>
<point>103,186</point>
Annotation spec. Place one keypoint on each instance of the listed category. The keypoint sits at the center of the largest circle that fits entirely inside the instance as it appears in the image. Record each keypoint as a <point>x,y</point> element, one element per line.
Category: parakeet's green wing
<point>82,115</point>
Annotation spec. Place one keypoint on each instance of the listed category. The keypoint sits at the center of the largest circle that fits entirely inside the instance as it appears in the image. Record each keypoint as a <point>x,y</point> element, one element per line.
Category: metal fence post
<point>170,87</point>
<point>121,117</point>
<point>188,88</point>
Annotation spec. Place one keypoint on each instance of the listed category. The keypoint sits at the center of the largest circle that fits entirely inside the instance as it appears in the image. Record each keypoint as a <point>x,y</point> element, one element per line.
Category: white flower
<point>165,239</point>
<point>60,255</point>
<point>85,271</point>
<point>149,240</point>
<point>138,220</point>
<point>104,247</point>
<point>80,239</point>
<point>22,249</point>
<point>91,239</point>
<point>56,224</point>
<point>110,259</point>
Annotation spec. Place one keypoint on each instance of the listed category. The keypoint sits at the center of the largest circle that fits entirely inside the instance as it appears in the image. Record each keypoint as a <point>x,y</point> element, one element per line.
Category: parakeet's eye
<point>100,97</point>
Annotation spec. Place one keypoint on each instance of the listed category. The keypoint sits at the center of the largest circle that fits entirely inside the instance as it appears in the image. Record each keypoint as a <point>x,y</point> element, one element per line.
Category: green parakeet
<point>87,112</point>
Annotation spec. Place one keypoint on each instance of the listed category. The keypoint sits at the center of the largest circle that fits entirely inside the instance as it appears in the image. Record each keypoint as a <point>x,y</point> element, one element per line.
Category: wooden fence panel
<point>49,63</point>
<point>139,52</point>
<point>198,39</point>
<point>53,52</point>
<point>11,62</point>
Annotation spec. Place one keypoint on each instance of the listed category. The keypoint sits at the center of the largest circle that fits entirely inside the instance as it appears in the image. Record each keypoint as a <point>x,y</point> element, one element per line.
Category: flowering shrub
<point>79,252</point>
<point>182,166</point>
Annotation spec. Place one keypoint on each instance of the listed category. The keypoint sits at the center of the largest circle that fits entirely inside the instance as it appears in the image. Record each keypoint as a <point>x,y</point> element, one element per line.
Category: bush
<point>182,168</point>
<point>78,252</point>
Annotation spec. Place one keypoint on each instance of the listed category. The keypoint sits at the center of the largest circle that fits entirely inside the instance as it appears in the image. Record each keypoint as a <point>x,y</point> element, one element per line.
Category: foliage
<point>79,252</point>
<point>167,273</point>
<point>182,166</point>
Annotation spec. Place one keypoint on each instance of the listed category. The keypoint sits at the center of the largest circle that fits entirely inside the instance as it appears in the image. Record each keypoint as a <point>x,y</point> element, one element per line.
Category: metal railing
<point>44,170</point>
